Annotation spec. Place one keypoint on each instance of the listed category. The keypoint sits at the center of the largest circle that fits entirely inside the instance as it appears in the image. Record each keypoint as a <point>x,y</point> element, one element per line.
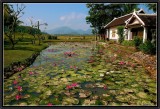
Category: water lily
<point>15,82</point>
<point>74,84</point>
<point>30,73</point>
<point>18,97</point>
<point>49,104</point>
<point>71,67</point>
<point>121,63</point>
<point>19,88</point>
<point>19,69</point>
<point>101,74</point>
<point>69,87</point>
<point>54,64</point>
<point>105,87</point>
<point>75,67</point>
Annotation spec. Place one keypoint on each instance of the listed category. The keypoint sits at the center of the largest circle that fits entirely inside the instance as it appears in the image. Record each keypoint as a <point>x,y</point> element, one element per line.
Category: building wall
<point>113,33</point>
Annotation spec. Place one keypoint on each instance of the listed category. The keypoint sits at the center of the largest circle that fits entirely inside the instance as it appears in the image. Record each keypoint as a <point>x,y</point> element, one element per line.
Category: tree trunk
<point>12,42</point>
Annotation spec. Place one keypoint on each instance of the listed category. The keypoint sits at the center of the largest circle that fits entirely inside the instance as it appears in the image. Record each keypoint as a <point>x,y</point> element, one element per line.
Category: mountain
<point>68,30</point>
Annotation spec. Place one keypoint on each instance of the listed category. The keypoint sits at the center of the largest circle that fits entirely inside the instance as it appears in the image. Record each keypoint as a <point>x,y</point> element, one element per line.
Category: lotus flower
<point>121,63</point>
<point>31,73</point>
<point>15,82</point>
<point>69,87</point>
<point>74,84</point>
<point>105,87</point>
<point>49,104</point>
<point>18,97</point>
<point>19,88</point>
<point>71,67</point>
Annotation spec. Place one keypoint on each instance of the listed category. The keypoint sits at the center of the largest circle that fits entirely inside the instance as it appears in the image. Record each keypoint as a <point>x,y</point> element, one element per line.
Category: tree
<point>152,7</point>
<point>128,8</point>
<point>97,16</point>
<point>11,21</point>
<point>101,14</point>
<point>36,31</point>
<point>120,32</point>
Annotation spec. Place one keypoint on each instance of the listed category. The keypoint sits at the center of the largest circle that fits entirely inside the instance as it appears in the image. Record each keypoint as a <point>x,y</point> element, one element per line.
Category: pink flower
<point>105,87</point>
<point>75,67</point>
<point>71,67</point>
<point>18,97</point>
<point>19,88</point>
<point>55,64</point>
<point>74,84</point>
<point>15,82</point>
<point>121,63</point>
<point>49,104</point>
<point>68,87</point>
<point>31,73</point>
<point>19,69</point>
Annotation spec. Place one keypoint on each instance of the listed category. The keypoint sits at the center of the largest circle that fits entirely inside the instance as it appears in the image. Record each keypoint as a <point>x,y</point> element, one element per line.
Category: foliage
<point>120,32</point>
<point>152,6</point>
<point>101,14</point>
<point>128,43</point>
<point>148,48</point>
<point>137,41</point>
<point>11,21</point>
<point>52,37</point>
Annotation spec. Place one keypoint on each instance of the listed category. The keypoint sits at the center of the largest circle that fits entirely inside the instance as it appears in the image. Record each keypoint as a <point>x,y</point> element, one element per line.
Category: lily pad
<point>142,95</point>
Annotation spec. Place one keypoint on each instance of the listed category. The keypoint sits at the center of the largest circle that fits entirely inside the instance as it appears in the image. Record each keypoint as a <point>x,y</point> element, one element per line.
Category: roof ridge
<point>123,15</point>
<point>148,14</point>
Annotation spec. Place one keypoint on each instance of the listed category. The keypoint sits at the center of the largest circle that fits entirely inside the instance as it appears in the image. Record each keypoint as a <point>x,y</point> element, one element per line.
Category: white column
<point>129,34</point>
<point>144,34</point>
<point>125,34</point>
<point>106,34</point>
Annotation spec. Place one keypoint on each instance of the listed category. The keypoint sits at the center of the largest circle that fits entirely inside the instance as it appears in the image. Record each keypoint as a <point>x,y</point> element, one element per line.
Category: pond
<point>80,74</point>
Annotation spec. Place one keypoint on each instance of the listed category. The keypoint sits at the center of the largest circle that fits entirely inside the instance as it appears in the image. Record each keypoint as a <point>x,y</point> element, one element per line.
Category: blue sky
<point>59,14</point>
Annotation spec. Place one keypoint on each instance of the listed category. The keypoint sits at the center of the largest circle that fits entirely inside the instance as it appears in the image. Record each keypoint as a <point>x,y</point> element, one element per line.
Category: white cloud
<point>72,16</point>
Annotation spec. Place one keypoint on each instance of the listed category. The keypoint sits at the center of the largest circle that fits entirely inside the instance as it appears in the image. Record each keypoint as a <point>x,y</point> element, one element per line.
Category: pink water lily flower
<point>31,73</point>
<point>49,104</point>
<point>15,82</point>
<point>74,84</point>
<point>18,97</point>
<point>69,87</point>
<point>75,67</point>
<point>19,88</point>
<point>121,63</point>
<point>105,87</point>
<point>71,67</point>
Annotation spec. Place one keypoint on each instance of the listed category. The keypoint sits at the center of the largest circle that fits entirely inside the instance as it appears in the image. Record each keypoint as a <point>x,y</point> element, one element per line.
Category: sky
<point>59,14</point>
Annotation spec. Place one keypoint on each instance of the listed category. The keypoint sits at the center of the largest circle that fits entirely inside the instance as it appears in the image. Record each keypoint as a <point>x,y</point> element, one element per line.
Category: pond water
<point>81,74</point>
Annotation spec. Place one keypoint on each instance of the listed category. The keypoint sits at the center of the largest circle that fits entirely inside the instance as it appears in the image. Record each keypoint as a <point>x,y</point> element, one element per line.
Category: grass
<point>11,56</point>
<point>72,39</point>
<point>24,49</point>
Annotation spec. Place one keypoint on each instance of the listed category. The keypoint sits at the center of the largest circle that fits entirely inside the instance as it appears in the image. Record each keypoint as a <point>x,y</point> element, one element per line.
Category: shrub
<point>148,48</point>
<point>137,41</point>
<point>120,32</point>
<point>128,43</point>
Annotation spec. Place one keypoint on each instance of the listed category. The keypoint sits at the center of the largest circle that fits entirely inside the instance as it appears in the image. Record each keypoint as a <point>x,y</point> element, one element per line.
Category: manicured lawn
<point>20,53</point>
<point>11,56</point>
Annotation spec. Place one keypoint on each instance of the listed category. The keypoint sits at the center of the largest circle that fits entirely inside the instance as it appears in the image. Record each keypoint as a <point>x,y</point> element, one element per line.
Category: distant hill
<point>68,30</point>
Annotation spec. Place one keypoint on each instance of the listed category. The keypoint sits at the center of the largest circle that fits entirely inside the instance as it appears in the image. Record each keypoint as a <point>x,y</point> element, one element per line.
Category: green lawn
<point>11,56</point>
<point>21,52</point>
